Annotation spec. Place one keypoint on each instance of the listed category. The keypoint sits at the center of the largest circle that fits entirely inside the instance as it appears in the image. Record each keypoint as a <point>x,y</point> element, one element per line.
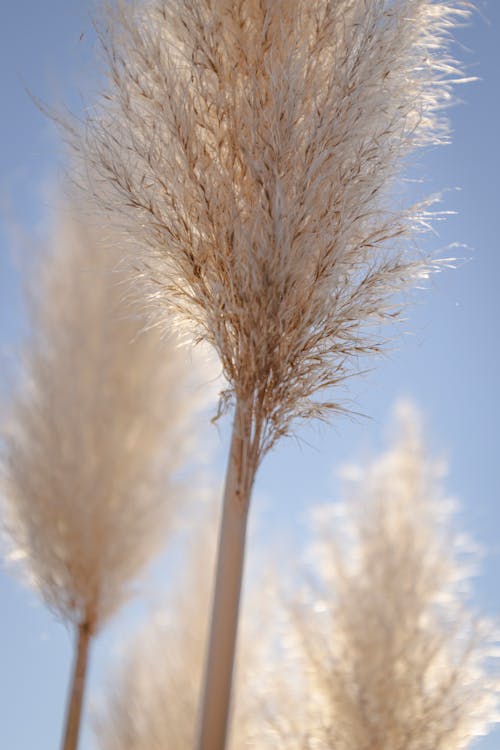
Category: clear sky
<point>446,356</point>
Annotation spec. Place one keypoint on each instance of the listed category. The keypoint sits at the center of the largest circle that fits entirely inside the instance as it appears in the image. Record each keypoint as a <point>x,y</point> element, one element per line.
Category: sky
<point>445,355</point>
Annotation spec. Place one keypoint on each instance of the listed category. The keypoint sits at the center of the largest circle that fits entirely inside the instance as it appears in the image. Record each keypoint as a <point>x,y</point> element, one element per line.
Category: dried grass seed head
<point>151,698</point>
<point>253,147</point>
<point>99,427</point>
<point>392,654</point>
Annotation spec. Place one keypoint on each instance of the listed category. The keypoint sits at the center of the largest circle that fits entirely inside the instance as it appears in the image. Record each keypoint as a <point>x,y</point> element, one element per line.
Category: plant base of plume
<point>75,700</point>
<point>216,692</point>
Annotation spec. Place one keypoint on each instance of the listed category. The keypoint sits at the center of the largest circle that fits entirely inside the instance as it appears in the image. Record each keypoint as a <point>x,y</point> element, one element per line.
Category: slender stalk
<point>74,711</point>
<point>215,701</point>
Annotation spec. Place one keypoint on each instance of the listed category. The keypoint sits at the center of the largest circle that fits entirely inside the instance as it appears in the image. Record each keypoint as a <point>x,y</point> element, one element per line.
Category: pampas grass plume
<point>99,426</point>
<point>253,149</point>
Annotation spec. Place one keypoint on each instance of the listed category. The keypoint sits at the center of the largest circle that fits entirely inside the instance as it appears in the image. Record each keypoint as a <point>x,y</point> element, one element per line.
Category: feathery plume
<point>151,701</point>
<point>98,429</point>
<point>387,652</point>
<point>151,705</point>
<point>253,149</point>
<point>151,698</point>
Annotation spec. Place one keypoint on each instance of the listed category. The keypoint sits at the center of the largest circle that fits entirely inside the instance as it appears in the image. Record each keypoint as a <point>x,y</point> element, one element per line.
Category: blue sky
<point>446,355</point>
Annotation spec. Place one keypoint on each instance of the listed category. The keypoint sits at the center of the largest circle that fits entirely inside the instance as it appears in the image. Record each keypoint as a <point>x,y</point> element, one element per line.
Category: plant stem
<point>75,701</point>
<point>215,699</point>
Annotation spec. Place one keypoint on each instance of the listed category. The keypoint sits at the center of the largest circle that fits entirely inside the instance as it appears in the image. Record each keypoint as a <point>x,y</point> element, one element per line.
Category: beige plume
<point>253,149</point>
<point>100,425</point>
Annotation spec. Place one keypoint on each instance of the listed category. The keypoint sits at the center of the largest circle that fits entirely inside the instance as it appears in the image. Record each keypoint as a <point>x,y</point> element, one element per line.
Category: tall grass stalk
<point>253,149</point>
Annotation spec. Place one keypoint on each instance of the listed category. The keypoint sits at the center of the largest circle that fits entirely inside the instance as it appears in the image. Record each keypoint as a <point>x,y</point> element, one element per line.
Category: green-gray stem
<point>216,691</point>
<point>75,700</point>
